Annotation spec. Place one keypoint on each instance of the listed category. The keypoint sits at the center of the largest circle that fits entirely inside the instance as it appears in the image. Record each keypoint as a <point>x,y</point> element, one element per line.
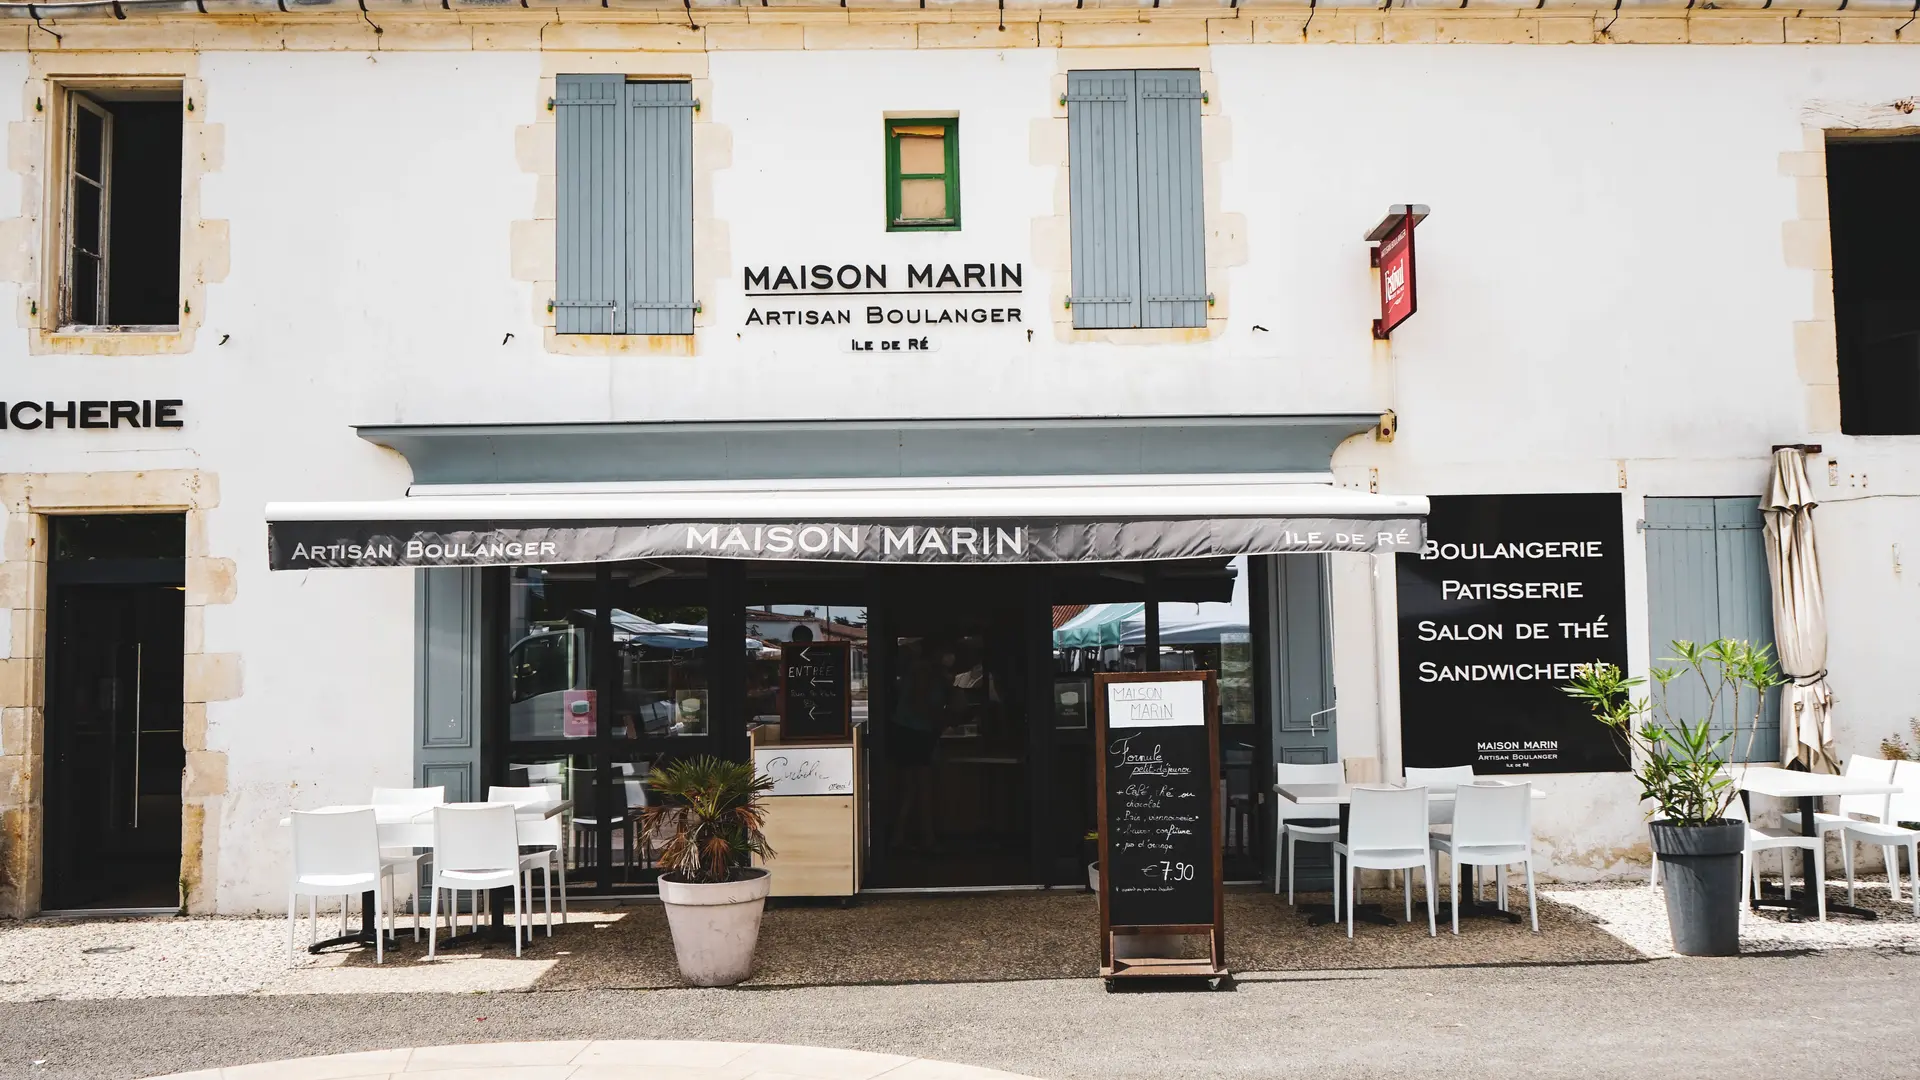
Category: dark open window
<point>120,249</point>
<point>1870,185</point>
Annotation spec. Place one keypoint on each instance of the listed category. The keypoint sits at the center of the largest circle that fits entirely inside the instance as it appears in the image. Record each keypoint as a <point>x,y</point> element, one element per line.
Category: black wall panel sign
<point>815,702</point>
<point>1510,597</point>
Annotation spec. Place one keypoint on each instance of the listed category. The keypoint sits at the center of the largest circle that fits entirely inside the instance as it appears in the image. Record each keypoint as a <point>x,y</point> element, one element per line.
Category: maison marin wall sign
<point>1511,595</point>
<point>94,415</point>
<point>882,307</point>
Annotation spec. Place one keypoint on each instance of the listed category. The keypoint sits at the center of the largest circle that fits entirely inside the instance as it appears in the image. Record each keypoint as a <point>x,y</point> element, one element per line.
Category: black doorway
<point>953,752</point>
<point>114,753</point>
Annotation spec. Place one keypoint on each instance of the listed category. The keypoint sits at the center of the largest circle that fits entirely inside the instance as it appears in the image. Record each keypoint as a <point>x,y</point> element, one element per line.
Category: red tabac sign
<point>1399,296</point>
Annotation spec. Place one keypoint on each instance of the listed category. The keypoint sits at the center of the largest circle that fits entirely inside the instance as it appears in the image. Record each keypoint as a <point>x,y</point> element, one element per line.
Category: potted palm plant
<point>1682,770</point>
<point>711,815</point>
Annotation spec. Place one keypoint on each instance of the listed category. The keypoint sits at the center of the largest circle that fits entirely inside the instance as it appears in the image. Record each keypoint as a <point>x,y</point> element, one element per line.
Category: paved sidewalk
<point>632,1059</point>
<point>1823,1016</point>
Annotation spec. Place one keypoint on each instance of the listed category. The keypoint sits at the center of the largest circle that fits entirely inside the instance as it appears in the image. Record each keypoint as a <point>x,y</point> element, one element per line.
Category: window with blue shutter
<point>625,206</point>
<point>1707,579</point>
<point>1134,187</point>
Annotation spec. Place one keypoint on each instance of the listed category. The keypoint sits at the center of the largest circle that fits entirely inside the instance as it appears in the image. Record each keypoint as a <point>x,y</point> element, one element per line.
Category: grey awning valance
<point>975,520</point>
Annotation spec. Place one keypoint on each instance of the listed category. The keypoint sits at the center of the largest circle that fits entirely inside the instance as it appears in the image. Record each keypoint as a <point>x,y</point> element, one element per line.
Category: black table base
<point>368,932</point>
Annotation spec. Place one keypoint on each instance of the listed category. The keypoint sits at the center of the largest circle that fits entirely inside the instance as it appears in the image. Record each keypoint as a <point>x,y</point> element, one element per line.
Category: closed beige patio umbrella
<point>1799,615</point>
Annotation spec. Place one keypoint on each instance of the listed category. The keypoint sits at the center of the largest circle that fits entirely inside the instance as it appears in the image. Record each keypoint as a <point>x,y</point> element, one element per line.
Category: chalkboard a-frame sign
<point>1159,738</point>
<point>816,703</point>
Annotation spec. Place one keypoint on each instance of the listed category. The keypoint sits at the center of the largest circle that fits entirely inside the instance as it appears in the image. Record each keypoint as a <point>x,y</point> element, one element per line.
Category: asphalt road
<point>1813,1016</point>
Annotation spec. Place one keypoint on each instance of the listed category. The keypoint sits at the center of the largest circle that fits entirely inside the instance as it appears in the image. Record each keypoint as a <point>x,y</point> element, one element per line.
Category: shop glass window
<point>550,654</point>
<point>119,254</point>
<point>1877,326</point>
<point>785,613</point>
<point>1213,634</point>
<point>592,706</point>
<point>660,649</point>
<point>1135,204</point>
<point>923,175</point>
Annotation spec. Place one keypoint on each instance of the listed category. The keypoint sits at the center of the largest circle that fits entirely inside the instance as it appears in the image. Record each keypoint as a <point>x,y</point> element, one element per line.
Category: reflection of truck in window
<point>662,677</point>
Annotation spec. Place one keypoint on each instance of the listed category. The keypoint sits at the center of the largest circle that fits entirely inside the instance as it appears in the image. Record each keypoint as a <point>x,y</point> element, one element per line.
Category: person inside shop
<point>922,712</point>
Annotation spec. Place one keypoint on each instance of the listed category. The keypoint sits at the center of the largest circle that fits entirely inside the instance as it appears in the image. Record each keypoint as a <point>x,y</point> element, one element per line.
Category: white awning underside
<point>1109,498</point>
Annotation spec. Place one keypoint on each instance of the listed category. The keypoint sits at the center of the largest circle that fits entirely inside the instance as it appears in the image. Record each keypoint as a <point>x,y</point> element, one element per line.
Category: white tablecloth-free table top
<point>1338,794</point>
<point>390,815</point>
<point>1793,784</point>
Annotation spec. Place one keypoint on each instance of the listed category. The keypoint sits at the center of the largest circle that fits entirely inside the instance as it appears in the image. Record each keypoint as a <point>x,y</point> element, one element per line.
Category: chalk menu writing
<point>813,690</point>
<point>1512,597</point>
<point>1158,863</point>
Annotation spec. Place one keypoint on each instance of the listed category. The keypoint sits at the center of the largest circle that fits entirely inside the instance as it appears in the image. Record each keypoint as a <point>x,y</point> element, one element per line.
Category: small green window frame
<point>950,126</point>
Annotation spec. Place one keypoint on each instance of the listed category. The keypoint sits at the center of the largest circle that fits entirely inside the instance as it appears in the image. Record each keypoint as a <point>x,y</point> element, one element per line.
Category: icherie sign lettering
<point>1510,598</point>
<point>102,415</point>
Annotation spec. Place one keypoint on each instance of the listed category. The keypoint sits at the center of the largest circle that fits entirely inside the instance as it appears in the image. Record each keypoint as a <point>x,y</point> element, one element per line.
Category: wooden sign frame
<point>845,731</point>
<point>1214,967</point>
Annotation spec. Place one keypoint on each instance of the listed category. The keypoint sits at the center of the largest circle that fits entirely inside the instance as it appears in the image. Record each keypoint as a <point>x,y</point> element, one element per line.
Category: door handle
<point>138,662</point>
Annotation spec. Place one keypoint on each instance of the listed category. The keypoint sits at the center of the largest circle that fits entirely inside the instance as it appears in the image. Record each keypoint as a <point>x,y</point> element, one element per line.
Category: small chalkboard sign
<point>816,702</point>
<point>1159,740</point>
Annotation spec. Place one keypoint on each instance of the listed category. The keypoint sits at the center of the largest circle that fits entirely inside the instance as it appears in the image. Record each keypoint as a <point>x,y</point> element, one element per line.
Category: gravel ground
<point>1812,1017</point>
<point>992,937</point>
<point>147,957</point>
<point>1637,915</point>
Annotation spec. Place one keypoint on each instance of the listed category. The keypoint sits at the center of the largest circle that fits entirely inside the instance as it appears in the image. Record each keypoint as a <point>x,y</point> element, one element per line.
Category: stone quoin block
<point>213,677</point>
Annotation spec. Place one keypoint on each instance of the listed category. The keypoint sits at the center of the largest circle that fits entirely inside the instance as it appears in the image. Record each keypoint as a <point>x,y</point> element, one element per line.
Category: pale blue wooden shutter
<point>660,208</point>
<point>1746,611</point>
<point>591,223</point>
<point>1173,254</point>
<point>1707,579</point>
<point>1103,171</point>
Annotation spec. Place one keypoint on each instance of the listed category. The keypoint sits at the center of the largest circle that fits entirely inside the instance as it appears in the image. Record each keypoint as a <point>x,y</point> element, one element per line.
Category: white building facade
<point>1626,288</point>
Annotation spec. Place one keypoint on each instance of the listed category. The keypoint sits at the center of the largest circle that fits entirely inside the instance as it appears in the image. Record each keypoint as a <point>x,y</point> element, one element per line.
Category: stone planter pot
<point>715,927</point>
<point>1700,866</point>
<point>1093,877</point>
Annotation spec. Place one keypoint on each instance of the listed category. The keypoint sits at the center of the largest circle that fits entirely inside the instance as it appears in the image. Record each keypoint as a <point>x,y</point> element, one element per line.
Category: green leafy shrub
<point>1680,764</point>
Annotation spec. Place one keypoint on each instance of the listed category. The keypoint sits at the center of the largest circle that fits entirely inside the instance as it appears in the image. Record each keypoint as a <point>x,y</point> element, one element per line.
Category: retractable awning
<point>916,520</point>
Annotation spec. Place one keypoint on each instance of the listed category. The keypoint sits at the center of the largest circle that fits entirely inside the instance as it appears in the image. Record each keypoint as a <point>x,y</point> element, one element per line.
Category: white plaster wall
<point>1602,282</point>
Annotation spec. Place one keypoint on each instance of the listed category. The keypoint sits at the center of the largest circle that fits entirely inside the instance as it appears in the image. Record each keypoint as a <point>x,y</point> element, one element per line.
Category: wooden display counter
<point>813,814</point>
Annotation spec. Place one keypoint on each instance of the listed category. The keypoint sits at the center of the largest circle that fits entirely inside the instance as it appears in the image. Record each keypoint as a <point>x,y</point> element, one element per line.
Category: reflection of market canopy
<point>1102,625</point>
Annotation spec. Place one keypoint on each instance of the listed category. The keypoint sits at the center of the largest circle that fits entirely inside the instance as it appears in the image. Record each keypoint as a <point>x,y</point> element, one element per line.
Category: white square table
<point>1807,788</point>
<point>1341,796</point>
<point>399,826</point>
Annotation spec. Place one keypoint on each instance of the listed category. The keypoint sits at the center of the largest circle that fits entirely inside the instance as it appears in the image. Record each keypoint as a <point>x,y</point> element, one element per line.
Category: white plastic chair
<point>1292,816</point>
<point>1785,841</point>
<point>1889,834</point>
<point>1387,830</point>
<point>1440,812</point>
<point>477,846</point>
<point>1492,826</point>
<point>337,853</point>
<point>546,834</point>
<point>410,846</point>
<point>1852,807</point>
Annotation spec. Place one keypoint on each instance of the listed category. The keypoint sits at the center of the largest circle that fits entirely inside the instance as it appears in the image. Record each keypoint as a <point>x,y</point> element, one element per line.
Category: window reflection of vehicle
<point>662,675</point>
<point>545,665</point>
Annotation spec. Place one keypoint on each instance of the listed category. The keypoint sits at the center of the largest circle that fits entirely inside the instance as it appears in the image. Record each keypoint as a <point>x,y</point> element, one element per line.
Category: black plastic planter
<point>1700,866</point>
